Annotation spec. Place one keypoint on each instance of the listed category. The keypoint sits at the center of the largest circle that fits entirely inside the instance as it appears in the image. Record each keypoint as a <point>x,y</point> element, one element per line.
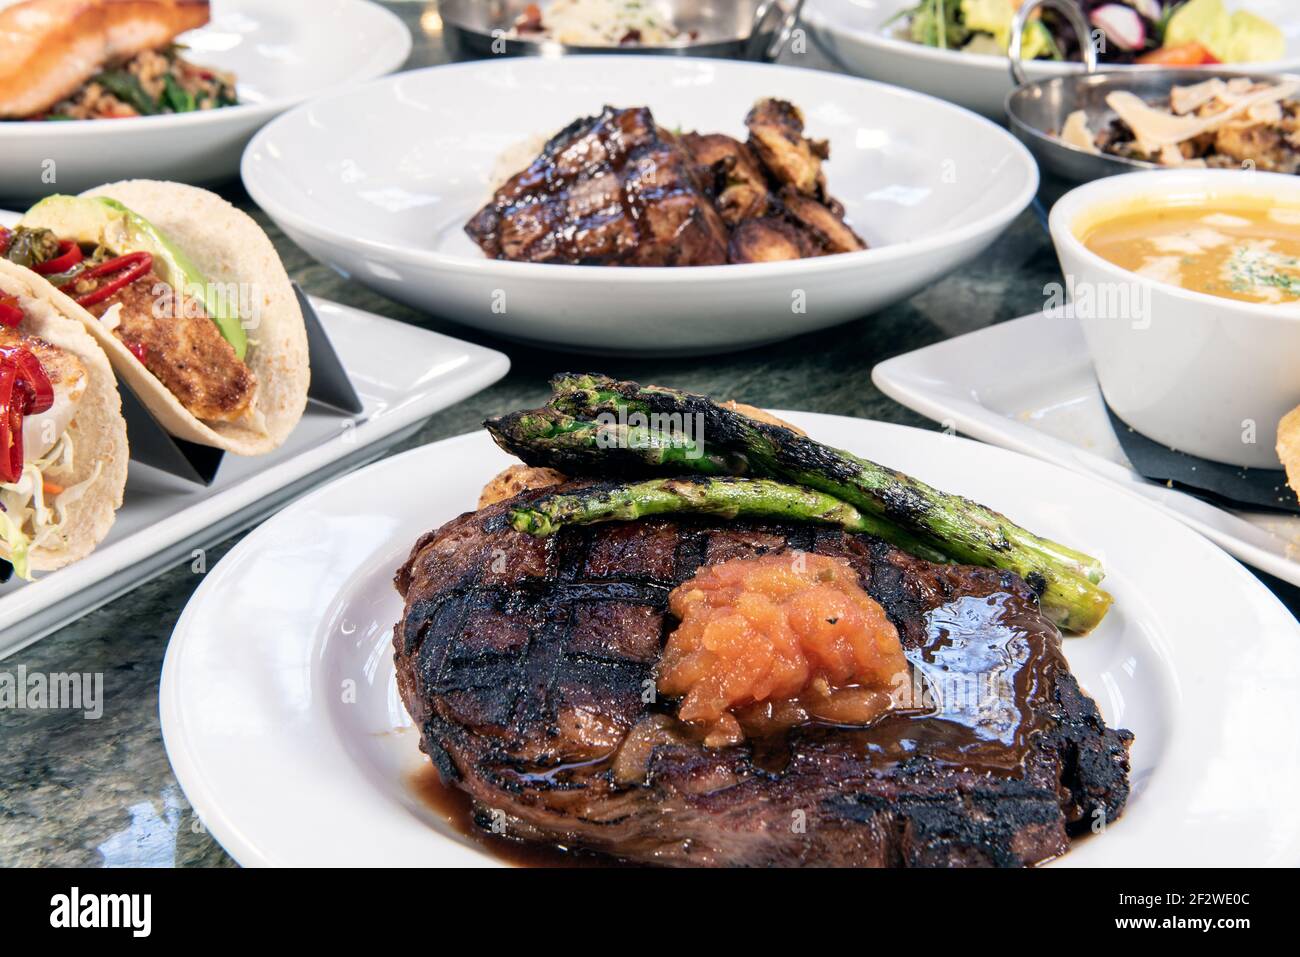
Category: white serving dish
<point>388,208</point>
<point>1202,374</point>
<point>281,53</point>
<point>403,375</point>
<point>1028,385</point>
<point>1197,658</point>
<point>858,34</point>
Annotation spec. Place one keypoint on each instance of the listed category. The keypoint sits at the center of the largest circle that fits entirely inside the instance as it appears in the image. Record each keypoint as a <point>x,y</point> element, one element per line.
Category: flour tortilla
<point>98,430</point>
<point>228,247</point>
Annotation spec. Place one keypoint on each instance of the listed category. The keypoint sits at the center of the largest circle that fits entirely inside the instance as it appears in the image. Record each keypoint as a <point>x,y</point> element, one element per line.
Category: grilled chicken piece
<point>776,135</point>
<point>182,347</point>
<point>828,231</point>
<point>766,240</point>
<point>731,173</point>
<point>610,190</point>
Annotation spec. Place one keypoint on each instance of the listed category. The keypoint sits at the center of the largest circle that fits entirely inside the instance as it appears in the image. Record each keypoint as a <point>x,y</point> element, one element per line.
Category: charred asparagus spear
<point>779,453</point>
<point>723,496</point>
<point>600,426</point>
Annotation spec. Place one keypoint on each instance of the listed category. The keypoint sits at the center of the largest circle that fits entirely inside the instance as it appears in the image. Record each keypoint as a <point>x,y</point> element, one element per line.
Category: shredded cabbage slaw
<point>27,519</point>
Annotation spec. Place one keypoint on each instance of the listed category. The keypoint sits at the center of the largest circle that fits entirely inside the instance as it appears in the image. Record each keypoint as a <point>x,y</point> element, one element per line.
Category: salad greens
<point>1167,32</point>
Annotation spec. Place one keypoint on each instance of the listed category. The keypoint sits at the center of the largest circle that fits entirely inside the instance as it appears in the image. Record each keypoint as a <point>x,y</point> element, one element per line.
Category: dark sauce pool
<point>987,667</point>
<point>453,805</point>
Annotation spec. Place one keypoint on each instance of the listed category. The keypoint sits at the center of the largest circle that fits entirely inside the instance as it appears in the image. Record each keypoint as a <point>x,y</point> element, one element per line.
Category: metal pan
<point>1036,112</point>
<point>737,30</point>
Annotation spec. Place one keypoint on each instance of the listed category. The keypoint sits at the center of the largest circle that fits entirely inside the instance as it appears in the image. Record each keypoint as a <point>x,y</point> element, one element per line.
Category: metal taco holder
<point>152,445</point>
<point>739,30</point>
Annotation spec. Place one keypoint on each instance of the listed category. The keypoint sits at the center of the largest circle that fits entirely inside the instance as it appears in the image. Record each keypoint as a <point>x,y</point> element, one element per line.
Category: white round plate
<point>926,184</point>
<point>281,53</point>
<point>860,36</point>
<point>282,720</point>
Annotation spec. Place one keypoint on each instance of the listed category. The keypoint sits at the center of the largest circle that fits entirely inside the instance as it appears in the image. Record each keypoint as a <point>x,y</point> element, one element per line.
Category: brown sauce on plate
<point>453,805</point>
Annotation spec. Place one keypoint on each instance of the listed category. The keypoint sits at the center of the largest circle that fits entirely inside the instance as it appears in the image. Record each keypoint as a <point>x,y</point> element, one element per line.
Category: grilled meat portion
<point>528,666</point>
<point>820,223</point>
<point>172,335</point>
<point>608,190</point>
<point>731,175</point>
<point>776,135</point>
<point>769,239</point>
<point>616,190</point>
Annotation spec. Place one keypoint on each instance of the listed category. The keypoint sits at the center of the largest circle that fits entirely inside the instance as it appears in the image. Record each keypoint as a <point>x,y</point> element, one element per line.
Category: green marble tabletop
<point>76,792</point>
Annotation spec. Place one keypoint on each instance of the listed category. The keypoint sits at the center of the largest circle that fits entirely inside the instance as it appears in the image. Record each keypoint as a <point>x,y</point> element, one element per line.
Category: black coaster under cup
<point>1230,486</point>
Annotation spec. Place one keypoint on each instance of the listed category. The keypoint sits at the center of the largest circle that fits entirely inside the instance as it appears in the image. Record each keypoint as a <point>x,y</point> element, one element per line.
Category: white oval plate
<point>282,720</point>
<point>858,34</point>
<point>281,53</point>
<point>926,184</point>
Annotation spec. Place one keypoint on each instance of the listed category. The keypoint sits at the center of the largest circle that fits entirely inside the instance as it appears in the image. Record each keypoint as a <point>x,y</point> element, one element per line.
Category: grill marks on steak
<point>608,190</point>
<point>526,664</point>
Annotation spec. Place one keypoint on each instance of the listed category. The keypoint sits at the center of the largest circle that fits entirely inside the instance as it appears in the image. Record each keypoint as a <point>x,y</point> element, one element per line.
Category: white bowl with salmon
<point>94,91</point>
<point>1187,287</point>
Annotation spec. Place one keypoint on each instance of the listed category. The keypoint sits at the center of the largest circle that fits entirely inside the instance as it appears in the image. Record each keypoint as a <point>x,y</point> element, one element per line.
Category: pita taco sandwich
<point>63,449</point>
<point>189,300</point>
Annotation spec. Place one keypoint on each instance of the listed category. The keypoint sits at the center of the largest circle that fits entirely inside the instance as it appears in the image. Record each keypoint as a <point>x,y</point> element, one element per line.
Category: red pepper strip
<point>5,237</point>
<point>25,389</point>
<point>10,313</point>
<point>69,256</point>
<point>11,425</point>
<point>32,380</point>
<point>132,267</point>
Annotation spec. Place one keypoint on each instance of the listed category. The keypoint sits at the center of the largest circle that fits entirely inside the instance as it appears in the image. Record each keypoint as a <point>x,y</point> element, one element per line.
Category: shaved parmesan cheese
<point>1265,113</point>
<point>1170,156</point>
<point>1187,99</point>
<point>1076,132</point>
<point>1154,129</point>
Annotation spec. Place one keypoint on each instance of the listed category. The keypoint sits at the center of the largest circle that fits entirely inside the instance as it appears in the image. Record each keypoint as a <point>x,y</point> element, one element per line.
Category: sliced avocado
<point>101,221</point>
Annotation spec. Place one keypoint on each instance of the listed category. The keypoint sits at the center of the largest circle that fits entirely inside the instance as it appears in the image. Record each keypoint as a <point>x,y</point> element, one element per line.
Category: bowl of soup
<point>1187,286</point>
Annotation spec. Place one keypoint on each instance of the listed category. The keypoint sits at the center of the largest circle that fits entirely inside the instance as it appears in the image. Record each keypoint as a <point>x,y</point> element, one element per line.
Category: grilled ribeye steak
<point>610,190</point>
<point>528,666</point>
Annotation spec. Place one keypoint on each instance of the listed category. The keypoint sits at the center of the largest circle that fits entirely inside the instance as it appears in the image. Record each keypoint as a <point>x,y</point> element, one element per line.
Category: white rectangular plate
<point>1028,385</point>
<point>403,374</point>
